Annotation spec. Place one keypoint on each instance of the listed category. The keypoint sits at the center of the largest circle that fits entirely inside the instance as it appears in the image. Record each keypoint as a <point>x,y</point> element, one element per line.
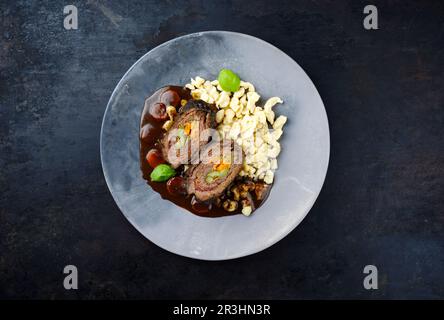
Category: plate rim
<point>266,245</point>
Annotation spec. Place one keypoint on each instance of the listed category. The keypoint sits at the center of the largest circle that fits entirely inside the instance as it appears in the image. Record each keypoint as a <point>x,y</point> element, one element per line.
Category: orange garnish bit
<point>187,129</point>
<point>221,166</point>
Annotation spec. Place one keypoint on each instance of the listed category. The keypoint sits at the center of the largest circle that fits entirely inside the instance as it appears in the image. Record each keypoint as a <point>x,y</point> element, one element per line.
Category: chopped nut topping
<point>230,205</point>
<point>236,193</point>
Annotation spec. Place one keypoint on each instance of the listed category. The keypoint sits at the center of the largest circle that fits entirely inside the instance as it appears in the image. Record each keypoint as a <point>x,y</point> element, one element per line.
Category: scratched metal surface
<point>383,198</point>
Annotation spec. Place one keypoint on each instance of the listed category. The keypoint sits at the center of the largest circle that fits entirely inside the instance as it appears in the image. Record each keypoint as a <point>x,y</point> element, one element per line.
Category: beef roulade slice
<point>221,162</point>
<point>189,133</point>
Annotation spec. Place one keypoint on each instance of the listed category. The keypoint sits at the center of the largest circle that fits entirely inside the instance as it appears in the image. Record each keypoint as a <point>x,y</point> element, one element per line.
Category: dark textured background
<point>382,202</point>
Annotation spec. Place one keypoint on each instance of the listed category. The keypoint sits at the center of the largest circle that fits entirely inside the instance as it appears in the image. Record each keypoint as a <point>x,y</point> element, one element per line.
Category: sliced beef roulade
<point>221,163</point>
<point>188,134</point>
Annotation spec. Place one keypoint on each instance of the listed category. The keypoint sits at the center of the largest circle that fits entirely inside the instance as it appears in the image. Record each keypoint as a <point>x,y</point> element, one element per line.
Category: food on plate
<point>211,146</point>
<point>162,173</point>
<point>186,130</point>
<point>228,80</point>
<point>256,129</point>
<point>220,166</point>
<point>154,158</point>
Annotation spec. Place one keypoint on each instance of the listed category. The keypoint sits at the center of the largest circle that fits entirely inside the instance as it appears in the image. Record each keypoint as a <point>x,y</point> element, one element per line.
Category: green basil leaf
<point>162,173</point>
<point>228,80</point>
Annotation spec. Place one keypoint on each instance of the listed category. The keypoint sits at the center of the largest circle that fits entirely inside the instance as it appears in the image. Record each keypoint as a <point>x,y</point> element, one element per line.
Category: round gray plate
<point>303,161</point>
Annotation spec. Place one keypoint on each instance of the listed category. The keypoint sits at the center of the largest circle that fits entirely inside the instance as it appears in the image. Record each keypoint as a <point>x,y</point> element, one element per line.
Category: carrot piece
<point>221,166</point>
<point>187,129</point>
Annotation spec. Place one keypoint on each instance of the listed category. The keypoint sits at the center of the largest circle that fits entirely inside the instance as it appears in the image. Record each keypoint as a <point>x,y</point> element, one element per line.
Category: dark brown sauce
<point>151,132</point>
